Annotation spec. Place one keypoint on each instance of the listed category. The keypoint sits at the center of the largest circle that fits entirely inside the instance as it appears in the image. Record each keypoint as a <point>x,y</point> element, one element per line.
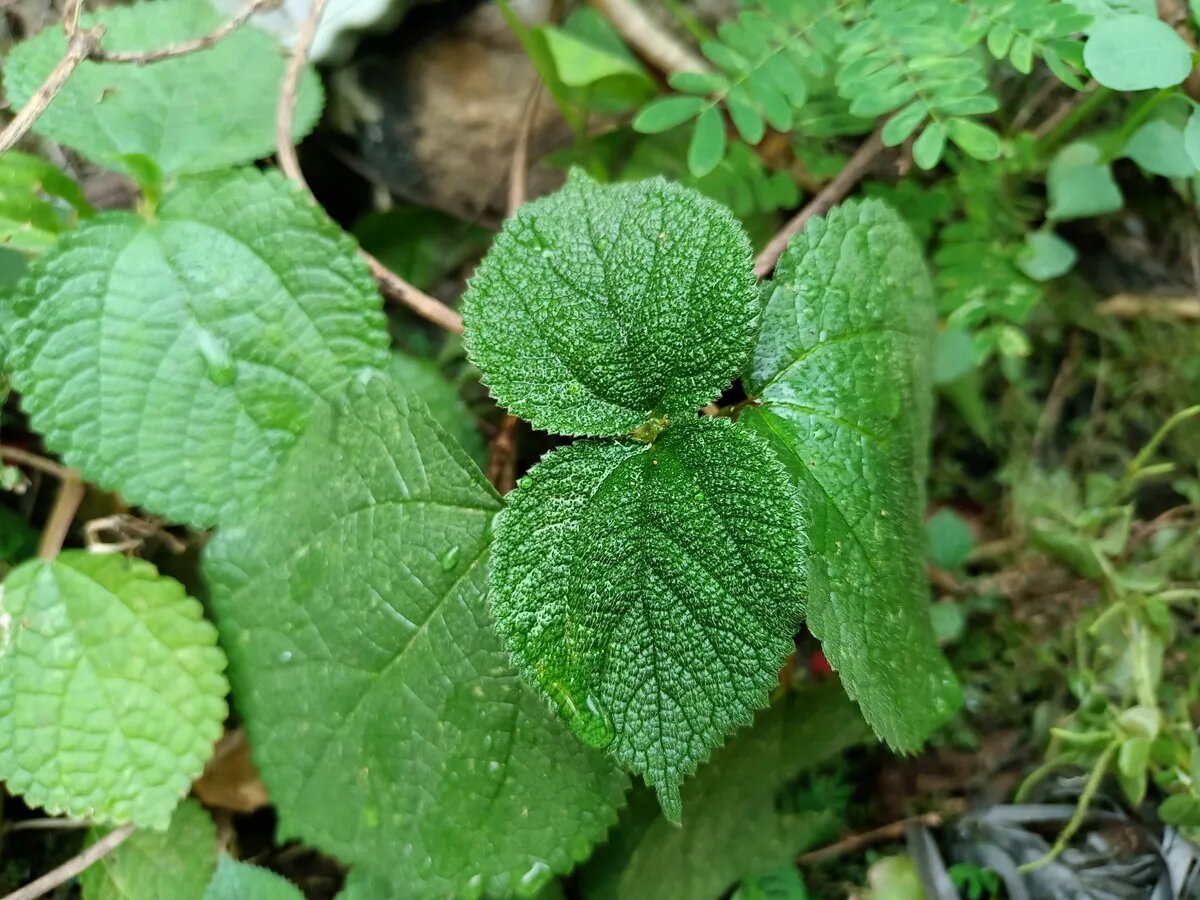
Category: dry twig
<point>72,867</point>
<point>856,167</point>
<point>392,285</point>
<point>1132,306</point>
<point>33,461</point>
<point>650,42</point>
<point>185,47</point>
<point>62,514</point>
<point>891,832</point>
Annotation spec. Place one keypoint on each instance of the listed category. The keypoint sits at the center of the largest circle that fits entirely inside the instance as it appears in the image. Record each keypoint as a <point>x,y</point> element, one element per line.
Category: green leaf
<point>1182,810</point>
<point>949,539</point>
<point>1191,136</point>
<point>176,360</point>
<point>603,306</point>
<point>111,688</point>
<point>242,881</point>
<point>1046,256</point>
<point>785,883</point>
<point>421,245</point>
<point>652,591</point>
<point>37,203</point>
<point>842,374</point>
<point>422,379</point>
<point>1159,148</point>
<point>1080,185</point>
<point>928,148</point>
<point>708,143</point>
<point>1132,771</point>
<point>1136,53</point>
<point>194,113</point>
<point>953,355</point>
<point>667,113</point>
<point>152,865</point>
<point>736,824</point>
<point>974,139</point>
<point>382,709</point>
<point>587,53</point>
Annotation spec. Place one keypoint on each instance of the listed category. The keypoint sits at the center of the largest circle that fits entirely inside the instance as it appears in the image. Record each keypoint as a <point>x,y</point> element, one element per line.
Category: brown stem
<point>80,46</point>
<point>891,832</point>
<point>33,461</point>
<point>72,867</point>
<point>856,167</point>
<point>392,285</point>
<point>649,41</point>
<point>66,504</point>
<point>185,47</point>
<point>1132,306</point>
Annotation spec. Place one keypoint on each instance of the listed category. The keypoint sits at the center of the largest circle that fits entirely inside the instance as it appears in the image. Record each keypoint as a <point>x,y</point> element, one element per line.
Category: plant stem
<point>66,504</point>
<point>33,461</point>
<point>1070,116</point>
<point>185,47</point>
<point>72,867</point>
<point>1081,809</point>
<point>654,45</point>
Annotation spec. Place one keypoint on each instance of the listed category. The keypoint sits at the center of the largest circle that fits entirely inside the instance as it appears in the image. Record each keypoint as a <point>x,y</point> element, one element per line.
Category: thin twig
<point>856,167</point>
<point>47,824</point>
<point>890,832</point>
<point>285,147</point>
<point>647,39</point>
<point>392,285</point>
<point>33,461</point>
<point>62,514</point>
<point>72,867</point>
<point>502,451</point>
<point>1132,306</point>
<point>80,46</point>
<point>185,47</point>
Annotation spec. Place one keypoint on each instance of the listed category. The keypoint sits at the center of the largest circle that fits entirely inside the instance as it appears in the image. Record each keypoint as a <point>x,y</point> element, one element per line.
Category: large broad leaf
<point>243,881</point>
<point>386,722</point>
<point>176,360</point>
<point>177,863</point>
<point>652,590</point>
<point>841,377</point>
<point>422,378</point>
<point>736,825</point>
<point>603,306</point>
<point>193,113</point>
<point>111,688</point>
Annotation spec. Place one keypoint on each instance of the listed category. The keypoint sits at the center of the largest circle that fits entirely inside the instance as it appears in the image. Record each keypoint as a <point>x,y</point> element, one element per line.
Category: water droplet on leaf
<point>589,720</point>
<point>449,559</point>
<point>218,363</point>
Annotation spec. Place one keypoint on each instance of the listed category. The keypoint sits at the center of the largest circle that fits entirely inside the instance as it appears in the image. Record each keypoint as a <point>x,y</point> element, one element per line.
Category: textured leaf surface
<point>604,305</point>
<point>111,688</point>
<point>242,881</point>
<point>194,113</point>
<point>652,591</point>
<point>176,360</point>
<point>842,371</point>
<point>734,825</point>
<point>421,378</point>
<point>154,865</point>
<point>386,722</point>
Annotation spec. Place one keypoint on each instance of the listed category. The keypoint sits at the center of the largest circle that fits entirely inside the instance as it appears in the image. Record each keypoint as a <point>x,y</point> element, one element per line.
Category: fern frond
<point>1022,30</point>
<point>913,58</point>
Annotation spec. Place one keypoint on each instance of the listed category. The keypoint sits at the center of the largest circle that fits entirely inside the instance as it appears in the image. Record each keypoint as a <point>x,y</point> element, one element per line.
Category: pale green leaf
<point>1159,148</point>
<point>193,113</point>
<point>422,379</point>
<point>242,881</point>
<point>652,590</point>
<point>708,143</point>
<point>1136,53</point>
<point>153,865</point>
<point>950,539</point>
<point>176,360</point>
<point>1046,256</point>
<point>37,203</point>
<point>735,825</point>
<point>842,374</point>
<point>1080,185</point>
<point>974,139</point>
<point>603,306</point>
<point>668,112</point>
<point>111,688</point>
<point>387,724</point>
<point>1191,136</point>
<point>928,148</point>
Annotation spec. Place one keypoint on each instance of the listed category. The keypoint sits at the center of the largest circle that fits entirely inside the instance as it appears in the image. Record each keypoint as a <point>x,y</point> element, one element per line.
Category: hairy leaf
<point>193,113</point>
<point>652,591</point>
<point>603,306</point>
<point>151,865</point>
<point>111,688</point>
<point>386,722</point>
<point>841,373</point>
<point>736,825</point>
<point>176,360</point>
<point>242,881</point>
<point>422,378</point>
